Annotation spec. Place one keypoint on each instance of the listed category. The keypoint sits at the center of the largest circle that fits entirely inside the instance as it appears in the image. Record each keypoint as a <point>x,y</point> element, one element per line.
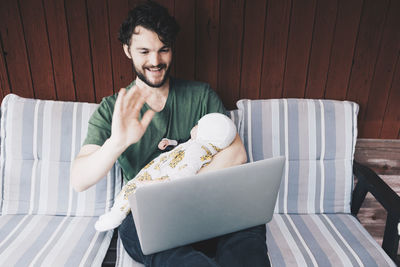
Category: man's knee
<point>243,248</point>
<point>182,256</point>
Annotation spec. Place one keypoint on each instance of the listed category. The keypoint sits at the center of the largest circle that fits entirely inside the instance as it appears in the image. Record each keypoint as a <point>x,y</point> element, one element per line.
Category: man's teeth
<point>154,69</point>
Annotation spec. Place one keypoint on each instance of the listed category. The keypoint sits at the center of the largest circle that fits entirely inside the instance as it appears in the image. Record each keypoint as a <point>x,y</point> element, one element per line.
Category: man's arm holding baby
<point>233,155</point>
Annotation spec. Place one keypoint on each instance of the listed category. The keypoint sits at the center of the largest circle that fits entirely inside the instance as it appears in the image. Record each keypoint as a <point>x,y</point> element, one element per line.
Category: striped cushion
<point>310,240</point>
<point>41,240</point>
<point>237,117</point>
<point>318,139</point>
<point>39,139</point>
<point>322,240</point>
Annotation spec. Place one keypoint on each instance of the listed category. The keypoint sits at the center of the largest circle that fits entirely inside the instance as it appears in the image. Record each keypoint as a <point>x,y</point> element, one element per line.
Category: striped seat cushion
<point>318,139</point>
<point>310,240</point>
<point>322,240</point>
<point>236,116</point>
<point>42,240</point>
<point>39,139</point>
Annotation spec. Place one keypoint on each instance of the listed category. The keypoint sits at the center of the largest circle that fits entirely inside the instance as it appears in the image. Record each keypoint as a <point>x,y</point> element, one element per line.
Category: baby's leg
<point>118,212</point>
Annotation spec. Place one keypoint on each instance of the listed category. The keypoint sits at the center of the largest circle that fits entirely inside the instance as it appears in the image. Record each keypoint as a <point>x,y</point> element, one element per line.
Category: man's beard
<point>142,77</point>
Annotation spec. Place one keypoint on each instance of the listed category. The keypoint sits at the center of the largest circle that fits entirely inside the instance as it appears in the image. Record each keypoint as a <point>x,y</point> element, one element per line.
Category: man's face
<point>151,58</point>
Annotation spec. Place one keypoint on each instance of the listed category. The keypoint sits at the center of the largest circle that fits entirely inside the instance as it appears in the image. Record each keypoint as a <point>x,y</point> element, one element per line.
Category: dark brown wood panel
<point>391,120</point>
<point>4,84</point>
<point>341,60</point>
<point>81,55</point>
<point>100,47</point>
<point>14,49</point>
<point>333,49</point>
<point>185,48</point>
<point>365,57</point>
<point>252,53</point>
<point>207,30</point>
<point>299,44</point>
<point>383,76</point>
<point>121,64</point>
<point>59,48</point>
<point>275,44</point>
<point>37,45</point>
<point>229,51</point>
<point>324,25</point>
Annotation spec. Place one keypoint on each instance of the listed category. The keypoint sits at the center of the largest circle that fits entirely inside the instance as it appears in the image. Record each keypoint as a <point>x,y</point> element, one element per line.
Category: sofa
<point>43,222</point>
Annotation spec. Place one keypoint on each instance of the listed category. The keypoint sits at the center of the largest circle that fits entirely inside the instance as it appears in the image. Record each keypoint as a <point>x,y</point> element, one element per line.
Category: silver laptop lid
<point>183,211</point>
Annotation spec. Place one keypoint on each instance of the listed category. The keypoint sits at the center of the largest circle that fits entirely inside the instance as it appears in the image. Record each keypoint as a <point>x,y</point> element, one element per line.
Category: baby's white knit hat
<point>217,129</point>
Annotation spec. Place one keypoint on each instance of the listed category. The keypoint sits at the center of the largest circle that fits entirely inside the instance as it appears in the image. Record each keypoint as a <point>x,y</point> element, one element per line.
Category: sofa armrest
<point>369,181</point>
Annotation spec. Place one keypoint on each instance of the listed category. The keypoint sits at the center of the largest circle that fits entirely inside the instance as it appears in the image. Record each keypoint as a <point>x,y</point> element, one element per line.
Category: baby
<point>213,133</point>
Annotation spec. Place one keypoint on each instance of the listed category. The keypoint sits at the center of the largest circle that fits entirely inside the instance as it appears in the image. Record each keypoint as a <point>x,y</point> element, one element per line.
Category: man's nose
<point>154,59</point>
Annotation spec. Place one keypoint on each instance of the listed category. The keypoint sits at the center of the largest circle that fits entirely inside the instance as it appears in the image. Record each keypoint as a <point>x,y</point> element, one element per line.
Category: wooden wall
<point>334,49</point>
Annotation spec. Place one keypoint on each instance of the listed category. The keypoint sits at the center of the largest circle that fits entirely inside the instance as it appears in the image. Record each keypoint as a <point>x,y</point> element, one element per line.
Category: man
<point>128,127</point>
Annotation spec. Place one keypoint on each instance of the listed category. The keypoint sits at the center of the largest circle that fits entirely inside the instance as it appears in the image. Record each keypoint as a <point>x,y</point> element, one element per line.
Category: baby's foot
<point>110,220</point>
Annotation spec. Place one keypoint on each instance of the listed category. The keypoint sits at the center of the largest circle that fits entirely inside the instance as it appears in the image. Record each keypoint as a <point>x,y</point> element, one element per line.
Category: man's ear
<point>127,51</point>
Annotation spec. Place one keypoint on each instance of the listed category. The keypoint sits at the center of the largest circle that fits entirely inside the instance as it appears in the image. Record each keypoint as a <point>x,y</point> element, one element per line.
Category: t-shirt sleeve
<point>99,127</point>
<point>214,103</point>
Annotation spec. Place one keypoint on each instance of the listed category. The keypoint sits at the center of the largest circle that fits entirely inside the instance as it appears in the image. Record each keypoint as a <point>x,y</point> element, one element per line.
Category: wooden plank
<point>101,50</point>
<point>13,41</point>
<point>325,18</point>
<point>391,120</point>
<point>169,4</point>
<point>299,44</point>
<point>80,50</point>
<point>275,44</point>
<point>381,155</point>
<point>383,76</point>
<point>60,51</point>
<point>207,29</point>
<point>121,65</point>
<point>229,51</point>
<point>37,43</point>
<point>344,40</point>
<point>252,49</point>
<point>4,84</point>
<point>365,56</point>
<point>373,217</point>
<point>185,47</point>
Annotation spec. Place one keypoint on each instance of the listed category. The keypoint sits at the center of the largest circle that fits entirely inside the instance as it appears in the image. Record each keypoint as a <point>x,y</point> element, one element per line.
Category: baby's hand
<point>165,142</point>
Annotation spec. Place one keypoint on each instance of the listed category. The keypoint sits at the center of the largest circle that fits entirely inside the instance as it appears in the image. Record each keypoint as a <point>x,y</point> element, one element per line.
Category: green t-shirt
<point>187,102</point>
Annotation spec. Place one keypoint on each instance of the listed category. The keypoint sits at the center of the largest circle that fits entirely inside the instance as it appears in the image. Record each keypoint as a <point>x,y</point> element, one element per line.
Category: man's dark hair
<point>151,16</point>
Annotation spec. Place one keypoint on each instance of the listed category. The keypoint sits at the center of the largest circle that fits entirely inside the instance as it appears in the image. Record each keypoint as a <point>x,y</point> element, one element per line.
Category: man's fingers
<point>135,99</point>
<point>147,117</point>
<point>137,104</point>
<point>120,96</point>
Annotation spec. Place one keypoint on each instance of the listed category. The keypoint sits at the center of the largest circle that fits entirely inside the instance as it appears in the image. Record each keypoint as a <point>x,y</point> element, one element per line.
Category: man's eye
<point>164,50</point>
<point>144,52</point>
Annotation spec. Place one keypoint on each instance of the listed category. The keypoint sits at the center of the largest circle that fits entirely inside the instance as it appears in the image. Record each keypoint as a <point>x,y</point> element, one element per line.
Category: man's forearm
<point>92,164</point>
<point>233,155</point>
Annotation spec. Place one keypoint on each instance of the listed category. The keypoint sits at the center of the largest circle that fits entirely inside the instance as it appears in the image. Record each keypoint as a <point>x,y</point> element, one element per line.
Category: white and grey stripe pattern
<point>39,140</point>
<point>322,240</point>
<point>318,139</point>
<point>310,240</point>
<point>41,240</point>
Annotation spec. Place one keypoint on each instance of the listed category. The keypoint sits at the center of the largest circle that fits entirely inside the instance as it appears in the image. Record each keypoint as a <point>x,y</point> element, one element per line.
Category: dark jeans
<point>243,248</point>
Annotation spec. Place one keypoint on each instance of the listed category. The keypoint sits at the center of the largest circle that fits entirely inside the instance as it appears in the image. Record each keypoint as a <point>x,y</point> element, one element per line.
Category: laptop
<point>191,209</point>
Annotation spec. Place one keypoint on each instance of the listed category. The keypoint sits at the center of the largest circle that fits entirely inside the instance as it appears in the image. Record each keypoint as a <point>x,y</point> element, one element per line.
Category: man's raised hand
<point>127,128</point>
